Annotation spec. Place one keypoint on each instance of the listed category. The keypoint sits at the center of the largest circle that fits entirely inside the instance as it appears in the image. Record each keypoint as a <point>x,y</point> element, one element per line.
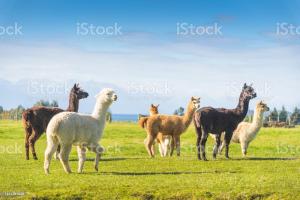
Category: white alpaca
<point>82,130</point>
<point>246,132</point>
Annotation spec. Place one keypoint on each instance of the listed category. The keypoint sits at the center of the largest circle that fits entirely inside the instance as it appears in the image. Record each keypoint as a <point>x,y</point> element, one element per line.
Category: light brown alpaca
<point>172,125</point>
<point>162,140</point>
<point>153,109</point>
<point>246,132</point>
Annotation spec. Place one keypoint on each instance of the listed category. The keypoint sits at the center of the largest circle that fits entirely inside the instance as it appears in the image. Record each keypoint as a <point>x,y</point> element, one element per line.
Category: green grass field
<point>271,170</point>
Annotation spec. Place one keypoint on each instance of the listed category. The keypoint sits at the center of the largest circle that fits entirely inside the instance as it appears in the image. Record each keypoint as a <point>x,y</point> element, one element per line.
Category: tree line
<point>16,113</point>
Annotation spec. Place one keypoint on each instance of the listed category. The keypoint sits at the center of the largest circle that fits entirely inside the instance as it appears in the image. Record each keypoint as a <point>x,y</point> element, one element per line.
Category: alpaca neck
<point>257,120</point>
<point>100,110</point>
<point>242,107</point>
<point>73,104</point>
<point>188,116</point>
<point>153,113</point>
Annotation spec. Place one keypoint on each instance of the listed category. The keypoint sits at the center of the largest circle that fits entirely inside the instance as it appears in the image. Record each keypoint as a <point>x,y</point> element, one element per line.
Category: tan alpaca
<point>172,125</point>
<point>246,132</point>
<point>162,140</point>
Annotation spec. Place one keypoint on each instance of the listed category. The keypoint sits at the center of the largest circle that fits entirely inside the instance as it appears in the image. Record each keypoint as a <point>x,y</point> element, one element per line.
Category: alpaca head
<point>153,109</point>
<point>78,93</point>
<point>194,103</point>
<point>262,107</point>
<point>248,92</point>
<point>106,96</point>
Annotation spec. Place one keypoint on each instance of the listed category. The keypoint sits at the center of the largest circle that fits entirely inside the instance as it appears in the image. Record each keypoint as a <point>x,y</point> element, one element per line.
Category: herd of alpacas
<point>65,128</point>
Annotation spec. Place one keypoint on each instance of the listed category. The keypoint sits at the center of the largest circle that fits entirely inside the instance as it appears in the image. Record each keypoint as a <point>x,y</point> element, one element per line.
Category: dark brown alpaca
<point>36,119</point>
<point>217,120</point>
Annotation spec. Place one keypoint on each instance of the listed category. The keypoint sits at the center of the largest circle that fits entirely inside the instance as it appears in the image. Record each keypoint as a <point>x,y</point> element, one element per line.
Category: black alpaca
<point>36,119</point>
<point>217,120</point>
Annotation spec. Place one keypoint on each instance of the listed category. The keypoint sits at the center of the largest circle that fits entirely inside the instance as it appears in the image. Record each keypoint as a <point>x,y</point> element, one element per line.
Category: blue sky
<point>149,53</point>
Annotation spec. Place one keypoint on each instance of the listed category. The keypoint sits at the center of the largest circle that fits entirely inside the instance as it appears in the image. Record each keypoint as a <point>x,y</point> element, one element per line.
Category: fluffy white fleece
<point>82,130</point>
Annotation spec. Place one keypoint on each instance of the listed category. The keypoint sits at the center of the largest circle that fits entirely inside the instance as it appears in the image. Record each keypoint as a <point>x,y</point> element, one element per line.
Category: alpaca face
<point>154,109</point>
<point>262,107</point>
<point>78,92</point>
<point>248,92</point>
<point>196,102</point>
<point>107,95</point>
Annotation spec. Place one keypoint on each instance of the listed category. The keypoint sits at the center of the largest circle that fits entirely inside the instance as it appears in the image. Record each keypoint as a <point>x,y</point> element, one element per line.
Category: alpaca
<point>36,119</point>
<point>81,130</point>
<point>172,125</point>
<point>162,140</point>
<point>246,132</point>
<point>217,120</point>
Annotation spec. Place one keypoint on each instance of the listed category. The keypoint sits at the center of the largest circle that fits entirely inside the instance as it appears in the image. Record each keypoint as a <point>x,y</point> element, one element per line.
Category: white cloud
<point>215,73</point>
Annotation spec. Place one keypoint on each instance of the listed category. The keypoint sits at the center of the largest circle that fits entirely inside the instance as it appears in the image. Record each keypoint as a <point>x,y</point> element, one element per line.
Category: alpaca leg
<point>199,134</point>
<point>244,147</point>
<point>161,149</point>
<point>160,142</point>
<point>28,132</point>
<point>98,150</point>
<point>202,144</point>
<point>172,146</point>
<point>221,147</point>
<point>57,153</point>
<point>33,138</point>
<point>52,144</point>
<point>81,151</point>
<point>166,143</point>
<point>149,143</point>
<point>217,145</point>
<point>177,143</point>
<point>222,144</point>
<point>64,156</point>
<point>153,149</point>
<point>227,139</point>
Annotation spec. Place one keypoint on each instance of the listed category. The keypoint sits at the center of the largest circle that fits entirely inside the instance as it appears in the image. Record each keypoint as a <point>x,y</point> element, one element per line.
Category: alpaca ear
<point>245,86</point>
<point>152,105</point>
<point>74,85</point>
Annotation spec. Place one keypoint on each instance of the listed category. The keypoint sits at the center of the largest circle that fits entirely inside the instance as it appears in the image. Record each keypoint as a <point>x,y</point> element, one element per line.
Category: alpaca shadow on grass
<point>105,159</point>
<point>163,173</point>
<point>264,158</point>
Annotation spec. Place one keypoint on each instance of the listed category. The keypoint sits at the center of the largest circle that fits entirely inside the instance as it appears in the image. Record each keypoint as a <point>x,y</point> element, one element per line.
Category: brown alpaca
<point>36,119</point>
<point>163,141</point>
<point>172,125</point>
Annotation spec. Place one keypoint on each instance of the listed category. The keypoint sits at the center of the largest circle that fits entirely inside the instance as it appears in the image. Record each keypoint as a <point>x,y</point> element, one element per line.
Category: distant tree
<point>179,111</point>
<point>295,117</point>
<point>16,113</point>
<point>42,103</point>
<point>108,116</point>
<point>54,103</point>
<point>274,115</point>
<point>1,109</point>
<point>283,115</point>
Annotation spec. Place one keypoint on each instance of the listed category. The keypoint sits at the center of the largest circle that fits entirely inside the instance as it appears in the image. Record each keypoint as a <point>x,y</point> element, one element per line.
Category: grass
<point>271,170</point>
